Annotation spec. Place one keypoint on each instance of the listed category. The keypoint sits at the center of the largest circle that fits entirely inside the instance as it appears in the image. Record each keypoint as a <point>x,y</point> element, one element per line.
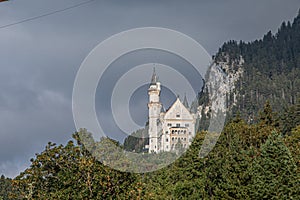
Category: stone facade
<point>170,130</point>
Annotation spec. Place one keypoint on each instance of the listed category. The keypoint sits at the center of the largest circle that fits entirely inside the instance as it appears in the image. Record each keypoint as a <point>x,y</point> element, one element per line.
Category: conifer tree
<point>274,174</point>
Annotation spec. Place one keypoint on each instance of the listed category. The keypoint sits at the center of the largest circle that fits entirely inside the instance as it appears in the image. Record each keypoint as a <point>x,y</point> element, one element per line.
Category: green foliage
<point>271,70</point>
<point>290,118</point>
<point>293,143</point>
<point>70,172</point>
<point>274,173</point>
<point>5,187</point>
<point>266,115</point>
<point>248,162</point>
<point>231,171</point>
<point>137,140</point>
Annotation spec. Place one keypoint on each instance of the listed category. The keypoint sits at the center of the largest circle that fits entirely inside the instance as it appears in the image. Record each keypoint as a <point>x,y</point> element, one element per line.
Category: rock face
<point>218,97</point>
<point>220,87</point>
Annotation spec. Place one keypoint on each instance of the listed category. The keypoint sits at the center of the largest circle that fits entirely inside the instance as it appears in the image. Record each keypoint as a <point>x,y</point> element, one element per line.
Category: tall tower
<point>154,107</point>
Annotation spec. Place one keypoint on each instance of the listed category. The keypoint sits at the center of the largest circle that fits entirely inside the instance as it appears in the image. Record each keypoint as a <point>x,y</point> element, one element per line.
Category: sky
<point>40,57</point>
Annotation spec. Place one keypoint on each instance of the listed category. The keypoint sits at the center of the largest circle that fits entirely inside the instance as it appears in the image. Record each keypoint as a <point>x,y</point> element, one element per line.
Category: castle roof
<point>176,107</point>
<point>185,102</point>
<point>154,78</point>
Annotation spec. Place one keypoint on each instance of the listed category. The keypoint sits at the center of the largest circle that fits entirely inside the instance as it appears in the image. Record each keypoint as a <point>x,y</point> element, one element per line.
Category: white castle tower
<point>154,107</point>
<point>169,130</point>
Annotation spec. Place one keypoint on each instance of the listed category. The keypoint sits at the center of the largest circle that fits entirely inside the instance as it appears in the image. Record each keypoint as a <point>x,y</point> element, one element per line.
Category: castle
<point>170,130</point>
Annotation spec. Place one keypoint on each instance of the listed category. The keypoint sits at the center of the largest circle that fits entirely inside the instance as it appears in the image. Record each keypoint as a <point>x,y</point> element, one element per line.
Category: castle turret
<point>185,102</point>
<point>154,107</point>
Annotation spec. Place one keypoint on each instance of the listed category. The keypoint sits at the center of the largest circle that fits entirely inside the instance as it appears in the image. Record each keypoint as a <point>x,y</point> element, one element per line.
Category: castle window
<point>172,138</point>
<point>169,124</point>
<point>184,131</point>
<point>167,146</point>
<point>177,125</point>
<point>190,133</point>
<point>177,115</point>
<point>187,125</point>
<point>167,140</point>
<point>167,132</point>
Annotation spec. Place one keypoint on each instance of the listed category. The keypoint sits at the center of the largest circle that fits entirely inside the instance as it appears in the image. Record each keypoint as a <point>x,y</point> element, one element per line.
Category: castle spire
<point>154,77</point>
<point>185,102</point>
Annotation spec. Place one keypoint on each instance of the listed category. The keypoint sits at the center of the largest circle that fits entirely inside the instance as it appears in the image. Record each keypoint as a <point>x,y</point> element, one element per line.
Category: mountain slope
<point>268,69</point>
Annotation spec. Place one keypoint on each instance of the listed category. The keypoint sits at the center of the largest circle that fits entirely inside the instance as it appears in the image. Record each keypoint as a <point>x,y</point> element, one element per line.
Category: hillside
<point>270,70</point>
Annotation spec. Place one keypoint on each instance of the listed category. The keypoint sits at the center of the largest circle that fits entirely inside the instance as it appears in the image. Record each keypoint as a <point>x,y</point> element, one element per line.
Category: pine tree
<point>266,115</point>
<point>293,143</point>
<point>274,173</point>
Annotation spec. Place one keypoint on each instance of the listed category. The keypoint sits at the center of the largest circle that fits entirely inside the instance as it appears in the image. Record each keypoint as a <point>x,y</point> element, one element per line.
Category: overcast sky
<point>40,58</point>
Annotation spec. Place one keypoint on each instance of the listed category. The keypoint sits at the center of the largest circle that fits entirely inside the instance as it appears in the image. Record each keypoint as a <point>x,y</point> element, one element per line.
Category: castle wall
<point>171,130</point>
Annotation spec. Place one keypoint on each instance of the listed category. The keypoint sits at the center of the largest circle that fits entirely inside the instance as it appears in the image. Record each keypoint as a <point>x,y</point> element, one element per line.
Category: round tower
<point>154,107</point>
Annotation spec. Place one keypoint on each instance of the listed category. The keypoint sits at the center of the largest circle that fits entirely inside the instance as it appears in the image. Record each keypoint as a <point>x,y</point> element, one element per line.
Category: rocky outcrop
<point>220,86</point>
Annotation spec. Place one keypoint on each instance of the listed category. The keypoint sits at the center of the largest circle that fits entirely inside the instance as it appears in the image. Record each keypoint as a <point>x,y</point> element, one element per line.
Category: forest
<point>249,162</point>
<point>271,69</point>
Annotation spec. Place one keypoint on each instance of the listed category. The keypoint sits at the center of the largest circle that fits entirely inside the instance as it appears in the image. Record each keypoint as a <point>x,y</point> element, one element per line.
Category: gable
<point>178,111</point>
